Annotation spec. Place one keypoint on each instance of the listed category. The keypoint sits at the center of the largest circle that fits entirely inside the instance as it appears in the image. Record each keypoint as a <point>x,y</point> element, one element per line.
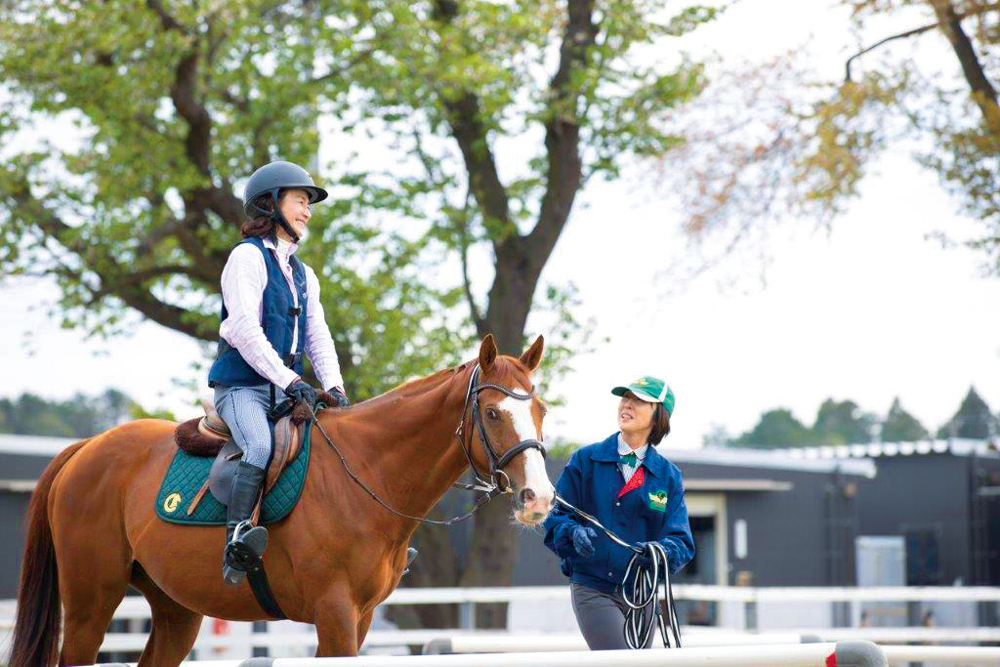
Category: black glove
<point>301,392</point>
<point>340,397</point>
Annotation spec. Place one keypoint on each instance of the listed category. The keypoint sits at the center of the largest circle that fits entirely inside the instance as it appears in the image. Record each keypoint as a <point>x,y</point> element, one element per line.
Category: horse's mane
<point>504,371</point>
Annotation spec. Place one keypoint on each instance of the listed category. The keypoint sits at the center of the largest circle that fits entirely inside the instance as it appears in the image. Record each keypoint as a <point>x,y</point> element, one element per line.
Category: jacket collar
<point>607,451</point>
<point>285,248</point>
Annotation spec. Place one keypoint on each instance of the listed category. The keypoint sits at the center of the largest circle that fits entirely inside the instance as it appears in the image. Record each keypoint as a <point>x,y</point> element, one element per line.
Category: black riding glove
<point>340,397</point>
<point>301,392</point>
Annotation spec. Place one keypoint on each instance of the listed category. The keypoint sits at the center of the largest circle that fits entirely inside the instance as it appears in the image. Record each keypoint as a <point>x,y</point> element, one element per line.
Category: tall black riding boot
<point>245,544</point>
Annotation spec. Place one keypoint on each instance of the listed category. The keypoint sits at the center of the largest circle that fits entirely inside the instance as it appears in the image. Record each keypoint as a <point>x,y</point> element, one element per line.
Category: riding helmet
<point>274,177</point>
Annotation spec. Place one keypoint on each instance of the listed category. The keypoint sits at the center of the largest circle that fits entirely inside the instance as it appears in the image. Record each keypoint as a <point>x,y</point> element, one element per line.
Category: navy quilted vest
<point>277,319</point>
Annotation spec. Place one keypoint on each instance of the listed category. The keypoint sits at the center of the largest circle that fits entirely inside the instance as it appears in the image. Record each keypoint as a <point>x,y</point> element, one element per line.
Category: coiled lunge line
<point>650,564</point>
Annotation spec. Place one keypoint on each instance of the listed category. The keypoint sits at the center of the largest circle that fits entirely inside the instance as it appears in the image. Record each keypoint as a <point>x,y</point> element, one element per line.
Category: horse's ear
<point>533,355</point>
<point>488,352</point>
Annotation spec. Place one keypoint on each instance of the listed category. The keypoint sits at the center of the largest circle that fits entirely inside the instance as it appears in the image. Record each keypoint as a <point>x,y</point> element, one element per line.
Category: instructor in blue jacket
<point>634,492</point>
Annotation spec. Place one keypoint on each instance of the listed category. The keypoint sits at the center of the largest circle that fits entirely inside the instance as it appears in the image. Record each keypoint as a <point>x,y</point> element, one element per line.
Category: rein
<point>645,591</point>
<point>490,488</point>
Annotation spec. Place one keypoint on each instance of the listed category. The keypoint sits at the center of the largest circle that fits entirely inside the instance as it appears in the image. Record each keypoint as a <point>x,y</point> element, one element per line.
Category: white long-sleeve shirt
<point>243,281</point>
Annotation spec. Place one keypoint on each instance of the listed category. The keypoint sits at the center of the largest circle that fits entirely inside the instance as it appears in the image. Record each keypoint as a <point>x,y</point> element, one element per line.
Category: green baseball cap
<point>651,390</point>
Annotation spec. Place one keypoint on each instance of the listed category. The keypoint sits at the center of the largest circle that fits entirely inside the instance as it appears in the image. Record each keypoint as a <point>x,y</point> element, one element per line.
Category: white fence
<point>845,654</point>
<point>302,638</point>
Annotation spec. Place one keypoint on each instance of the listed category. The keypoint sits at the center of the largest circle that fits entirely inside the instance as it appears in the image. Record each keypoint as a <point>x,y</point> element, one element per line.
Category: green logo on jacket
<point>658,501</point>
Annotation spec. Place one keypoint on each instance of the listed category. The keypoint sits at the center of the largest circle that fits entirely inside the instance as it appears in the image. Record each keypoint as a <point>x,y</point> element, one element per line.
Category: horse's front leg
<point>336,620</point>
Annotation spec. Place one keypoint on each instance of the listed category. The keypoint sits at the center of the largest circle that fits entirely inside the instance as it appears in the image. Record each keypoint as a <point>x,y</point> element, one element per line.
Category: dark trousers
<point>601,618</point>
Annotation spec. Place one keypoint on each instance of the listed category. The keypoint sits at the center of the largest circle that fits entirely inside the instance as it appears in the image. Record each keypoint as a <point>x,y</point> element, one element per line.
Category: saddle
<point>210,436</point>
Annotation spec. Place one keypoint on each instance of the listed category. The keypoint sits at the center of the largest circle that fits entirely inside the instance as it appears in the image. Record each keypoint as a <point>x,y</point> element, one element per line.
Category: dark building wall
<point>13,506</point>
<point>800,537</point>
<point>12,510</point>
<point>789,532</point>
<point>925,499</point>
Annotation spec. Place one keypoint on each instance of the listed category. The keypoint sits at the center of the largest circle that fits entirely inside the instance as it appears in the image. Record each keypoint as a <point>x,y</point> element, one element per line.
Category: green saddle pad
<point>187,474</point>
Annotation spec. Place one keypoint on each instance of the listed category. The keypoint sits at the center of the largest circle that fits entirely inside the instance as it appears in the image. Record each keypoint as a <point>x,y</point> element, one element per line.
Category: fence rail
<point>856,654</point>
<point>136,608</point>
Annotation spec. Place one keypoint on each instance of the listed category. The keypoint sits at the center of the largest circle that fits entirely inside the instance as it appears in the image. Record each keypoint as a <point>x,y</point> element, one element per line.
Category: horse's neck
<point>406,441</point>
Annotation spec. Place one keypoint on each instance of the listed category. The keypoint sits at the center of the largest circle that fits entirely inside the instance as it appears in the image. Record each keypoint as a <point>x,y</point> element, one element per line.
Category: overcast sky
<point>871,311</point>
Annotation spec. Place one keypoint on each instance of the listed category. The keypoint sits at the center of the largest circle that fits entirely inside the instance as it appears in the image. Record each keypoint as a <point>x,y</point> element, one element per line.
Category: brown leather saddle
<point>210,436</point>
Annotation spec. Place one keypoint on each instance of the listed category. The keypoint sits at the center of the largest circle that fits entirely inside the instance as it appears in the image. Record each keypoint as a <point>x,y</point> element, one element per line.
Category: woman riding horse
<point>271,318</point>
<point>92,528</point>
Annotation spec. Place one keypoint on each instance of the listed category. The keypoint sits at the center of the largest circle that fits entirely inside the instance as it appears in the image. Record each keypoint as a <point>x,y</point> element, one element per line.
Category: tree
<point>78,417</point>
<point>794,146</point>
<point>842,423</point>
<point>901,426</point>
<point>178,101</point>
<point>973,419</point>
<point>776,429</point>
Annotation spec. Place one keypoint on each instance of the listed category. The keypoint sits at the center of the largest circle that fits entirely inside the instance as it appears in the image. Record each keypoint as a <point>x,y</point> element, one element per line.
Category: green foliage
<point>79,417</point>
<point>901,426</point>
<point>842,423</point>
<point>776,429</point>
<point>837,423</point>
<point>175,103</point>
<point>972,420</point>
<point>798,147</point>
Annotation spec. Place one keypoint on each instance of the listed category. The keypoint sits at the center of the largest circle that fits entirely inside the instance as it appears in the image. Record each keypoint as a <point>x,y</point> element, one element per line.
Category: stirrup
<point>411,555</point>
<point>244,552</point>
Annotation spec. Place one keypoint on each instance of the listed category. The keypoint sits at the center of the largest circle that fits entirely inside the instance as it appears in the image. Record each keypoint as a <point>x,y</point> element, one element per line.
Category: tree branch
<point>520,259</point>
<point>463,249</point>
<point>167,21</point>
<point>132,293</point>
<point>562,133</point>
<point>469,131</point>
<point>916,31</point>
<point>983,92</point>
<point>191,109</point>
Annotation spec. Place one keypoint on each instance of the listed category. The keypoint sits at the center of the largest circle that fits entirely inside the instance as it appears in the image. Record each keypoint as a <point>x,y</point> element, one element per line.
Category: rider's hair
<point>261,225</point>
<point>661,424</point>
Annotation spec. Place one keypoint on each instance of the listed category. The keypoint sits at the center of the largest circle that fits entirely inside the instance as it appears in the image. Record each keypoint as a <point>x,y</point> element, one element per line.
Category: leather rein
<point>498,482</point>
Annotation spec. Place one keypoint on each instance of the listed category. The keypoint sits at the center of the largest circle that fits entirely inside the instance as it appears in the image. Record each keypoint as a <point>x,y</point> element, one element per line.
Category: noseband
<point>498,479</point>
<point>491,487</point>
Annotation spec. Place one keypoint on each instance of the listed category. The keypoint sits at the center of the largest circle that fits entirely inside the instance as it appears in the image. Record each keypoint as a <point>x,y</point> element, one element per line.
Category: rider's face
<point>294,206</point>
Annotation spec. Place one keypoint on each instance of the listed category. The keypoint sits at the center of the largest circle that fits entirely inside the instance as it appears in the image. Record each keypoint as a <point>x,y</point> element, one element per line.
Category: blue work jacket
<point>654,511</point>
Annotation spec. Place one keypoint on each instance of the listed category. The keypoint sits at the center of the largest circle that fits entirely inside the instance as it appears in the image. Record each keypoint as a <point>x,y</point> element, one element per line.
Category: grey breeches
<point>244,410</point>
<point>601,618</point>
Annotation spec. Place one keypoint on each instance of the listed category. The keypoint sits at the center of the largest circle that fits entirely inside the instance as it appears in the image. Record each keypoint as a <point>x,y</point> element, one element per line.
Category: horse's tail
<point>39,617</point>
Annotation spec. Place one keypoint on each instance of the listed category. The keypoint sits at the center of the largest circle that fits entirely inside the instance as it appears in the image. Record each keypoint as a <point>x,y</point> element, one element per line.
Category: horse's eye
<point>492,414</point>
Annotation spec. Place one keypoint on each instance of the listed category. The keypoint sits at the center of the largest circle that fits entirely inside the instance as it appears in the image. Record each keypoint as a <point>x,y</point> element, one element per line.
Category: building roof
<point>33,445</point>
<point>770,459</point>
<point>954,446</point>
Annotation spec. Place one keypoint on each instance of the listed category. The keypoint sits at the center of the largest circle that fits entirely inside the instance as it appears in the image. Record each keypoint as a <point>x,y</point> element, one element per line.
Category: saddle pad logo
<point>171,503</point>
<point>658,501</point>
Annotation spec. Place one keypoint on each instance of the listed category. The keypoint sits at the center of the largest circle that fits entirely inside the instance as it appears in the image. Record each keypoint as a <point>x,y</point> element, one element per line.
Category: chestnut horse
<point>93,530</point>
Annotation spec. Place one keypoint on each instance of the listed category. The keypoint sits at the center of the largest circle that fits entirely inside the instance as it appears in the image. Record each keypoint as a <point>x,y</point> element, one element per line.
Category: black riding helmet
<point>269,181</point>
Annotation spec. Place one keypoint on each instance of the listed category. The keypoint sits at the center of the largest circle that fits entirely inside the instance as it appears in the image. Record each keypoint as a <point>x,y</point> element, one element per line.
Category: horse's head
<point>512,419</point>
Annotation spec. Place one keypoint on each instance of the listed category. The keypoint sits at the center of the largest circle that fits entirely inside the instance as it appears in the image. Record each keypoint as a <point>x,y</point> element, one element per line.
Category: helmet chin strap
<point>287,227</point>
<point>276,215</point>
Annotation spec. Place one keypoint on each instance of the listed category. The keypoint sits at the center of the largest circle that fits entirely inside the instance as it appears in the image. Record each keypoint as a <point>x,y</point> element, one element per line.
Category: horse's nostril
<point>526,496</point>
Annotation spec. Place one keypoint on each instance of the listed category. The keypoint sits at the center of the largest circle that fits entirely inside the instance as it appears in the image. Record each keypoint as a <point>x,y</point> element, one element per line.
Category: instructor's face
<point>634,415</point>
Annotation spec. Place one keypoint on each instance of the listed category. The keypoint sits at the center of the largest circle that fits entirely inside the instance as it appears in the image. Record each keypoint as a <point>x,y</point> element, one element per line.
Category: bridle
<point>498,481</point>
<point>491,487</point>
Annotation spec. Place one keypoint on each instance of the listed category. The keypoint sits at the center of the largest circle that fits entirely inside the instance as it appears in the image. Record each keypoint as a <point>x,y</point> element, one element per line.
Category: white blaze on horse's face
<point>535,499</point>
